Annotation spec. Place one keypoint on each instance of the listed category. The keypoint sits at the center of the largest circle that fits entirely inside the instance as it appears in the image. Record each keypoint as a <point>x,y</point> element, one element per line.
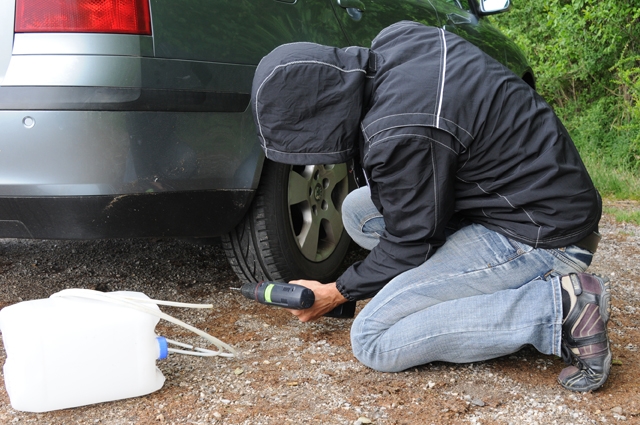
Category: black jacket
<point>445,131</point>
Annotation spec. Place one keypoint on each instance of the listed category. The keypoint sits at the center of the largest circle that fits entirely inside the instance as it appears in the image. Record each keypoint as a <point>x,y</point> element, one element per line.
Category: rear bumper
<point>52,98</point>
<point>89,174</point>
<point>73,153</point>
<point>173,214</point>
<point>100,140</point>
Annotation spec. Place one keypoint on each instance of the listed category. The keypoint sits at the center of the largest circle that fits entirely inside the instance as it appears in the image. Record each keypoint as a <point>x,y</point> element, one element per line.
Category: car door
<point>362,20</point>
<point>239,31</point>
<point>457,16</point>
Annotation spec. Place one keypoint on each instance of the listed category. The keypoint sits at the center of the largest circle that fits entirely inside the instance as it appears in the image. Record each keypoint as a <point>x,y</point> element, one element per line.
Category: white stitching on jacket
<point>308,153</point>
<point>510,204</point>
<point>364,129</point>
<point>435,188</point>
<point>442,76</point>
<point>419,136</point>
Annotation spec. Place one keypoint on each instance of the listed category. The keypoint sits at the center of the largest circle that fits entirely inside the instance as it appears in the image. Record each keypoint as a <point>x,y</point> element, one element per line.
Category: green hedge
<point>586,58</point>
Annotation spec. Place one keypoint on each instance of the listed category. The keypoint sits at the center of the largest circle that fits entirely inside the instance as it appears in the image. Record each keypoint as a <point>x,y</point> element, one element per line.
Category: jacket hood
<point>307,102</point>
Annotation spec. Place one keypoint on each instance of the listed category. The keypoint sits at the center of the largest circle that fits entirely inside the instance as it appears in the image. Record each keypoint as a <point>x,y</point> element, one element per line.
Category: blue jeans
<point>480,296</point>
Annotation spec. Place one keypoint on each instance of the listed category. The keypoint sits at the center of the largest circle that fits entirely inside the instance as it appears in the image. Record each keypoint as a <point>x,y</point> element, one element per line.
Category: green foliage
<point>574,44</point>
<point>628,80</point>
<point>623,215</point>
<point>586,57</point>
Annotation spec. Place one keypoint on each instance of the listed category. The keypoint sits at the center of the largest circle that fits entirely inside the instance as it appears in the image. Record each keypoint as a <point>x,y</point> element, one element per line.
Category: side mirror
<point>490,7</point>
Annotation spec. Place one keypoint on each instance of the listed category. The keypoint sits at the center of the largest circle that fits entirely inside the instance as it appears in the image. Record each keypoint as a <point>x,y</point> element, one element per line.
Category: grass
<point>617,185</point>
<point>613,183</point>
<point>607,144</point>
<point>623,215</point>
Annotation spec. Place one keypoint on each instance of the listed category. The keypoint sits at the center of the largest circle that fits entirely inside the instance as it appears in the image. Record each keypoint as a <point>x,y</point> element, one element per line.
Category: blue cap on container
<point>164,347</point>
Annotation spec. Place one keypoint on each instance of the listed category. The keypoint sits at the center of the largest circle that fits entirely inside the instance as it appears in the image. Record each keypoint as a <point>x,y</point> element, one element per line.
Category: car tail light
<point>104,16</point>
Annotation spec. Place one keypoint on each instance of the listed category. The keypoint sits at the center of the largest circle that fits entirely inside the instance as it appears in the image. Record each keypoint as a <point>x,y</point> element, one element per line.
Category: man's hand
<point>327,298</point>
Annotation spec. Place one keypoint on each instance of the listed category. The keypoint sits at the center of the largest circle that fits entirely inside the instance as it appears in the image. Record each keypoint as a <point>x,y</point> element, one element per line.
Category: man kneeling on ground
<point>479,213</point>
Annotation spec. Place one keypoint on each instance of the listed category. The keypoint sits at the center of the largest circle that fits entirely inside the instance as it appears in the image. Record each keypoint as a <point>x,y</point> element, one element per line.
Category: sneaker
<point>585,344</point>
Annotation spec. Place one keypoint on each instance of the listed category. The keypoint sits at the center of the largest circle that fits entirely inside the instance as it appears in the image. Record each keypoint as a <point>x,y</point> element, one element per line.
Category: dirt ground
<point>290,372</point>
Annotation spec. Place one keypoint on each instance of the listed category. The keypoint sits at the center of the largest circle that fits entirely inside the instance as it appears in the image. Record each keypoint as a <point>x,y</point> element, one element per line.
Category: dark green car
<point>130,119</point>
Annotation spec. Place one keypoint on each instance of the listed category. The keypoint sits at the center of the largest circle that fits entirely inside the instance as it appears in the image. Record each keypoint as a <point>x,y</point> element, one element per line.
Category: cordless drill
<point>289,295</point>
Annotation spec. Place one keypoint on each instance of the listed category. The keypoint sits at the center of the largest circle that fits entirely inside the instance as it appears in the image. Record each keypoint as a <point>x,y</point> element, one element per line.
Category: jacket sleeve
<point>412,177</point>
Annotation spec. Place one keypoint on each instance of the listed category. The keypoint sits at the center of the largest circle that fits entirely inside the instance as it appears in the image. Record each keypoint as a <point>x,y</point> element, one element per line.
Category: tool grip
<point>290,295</point>
<point>287,295</point>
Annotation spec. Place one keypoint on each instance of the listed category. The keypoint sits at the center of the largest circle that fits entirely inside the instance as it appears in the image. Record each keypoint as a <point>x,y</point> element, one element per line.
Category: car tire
<point>293,229</point>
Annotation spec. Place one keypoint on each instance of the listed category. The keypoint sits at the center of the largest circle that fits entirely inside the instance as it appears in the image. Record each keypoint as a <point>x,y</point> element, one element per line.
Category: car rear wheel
<point>294,228</point>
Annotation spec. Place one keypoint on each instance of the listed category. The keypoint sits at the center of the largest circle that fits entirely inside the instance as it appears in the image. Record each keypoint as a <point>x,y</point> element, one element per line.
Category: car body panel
<point>86,44</point>
<point>461,20</point>
<point>242,31</point>
<point>127,71</point>
<point>92,124</point>
<point>71,70</point>
<point>361,26</point>
<point>147,152</point>
<point>202,169</point>
<point>170,214</point>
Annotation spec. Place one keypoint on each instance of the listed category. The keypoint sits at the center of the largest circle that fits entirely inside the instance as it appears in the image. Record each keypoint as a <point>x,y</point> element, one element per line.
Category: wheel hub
<point>318,193</point>
<point>315,197</point>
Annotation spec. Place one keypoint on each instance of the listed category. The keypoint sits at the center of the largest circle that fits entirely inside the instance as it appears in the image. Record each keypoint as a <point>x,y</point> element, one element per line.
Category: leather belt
<point>590,242</point>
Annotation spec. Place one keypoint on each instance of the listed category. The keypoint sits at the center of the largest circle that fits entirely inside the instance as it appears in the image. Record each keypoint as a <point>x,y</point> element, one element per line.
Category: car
<point>131,119</point>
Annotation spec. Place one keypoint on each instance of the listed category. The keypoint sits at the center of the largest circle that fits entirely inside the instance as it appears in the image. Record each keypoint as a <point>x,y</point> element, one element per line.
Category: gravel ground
<point>290,372</point>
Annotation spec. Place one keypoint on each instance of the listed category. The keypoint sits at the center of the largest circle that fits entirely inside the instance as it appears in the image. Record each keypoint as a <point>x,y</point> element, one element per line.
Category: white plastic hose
<point>224,350</point>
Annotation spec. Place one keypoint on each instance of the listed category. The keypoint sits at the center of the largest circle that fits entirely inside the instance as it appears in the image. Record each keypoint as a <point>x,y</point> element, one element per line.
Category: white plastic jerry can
<point>66,352</point>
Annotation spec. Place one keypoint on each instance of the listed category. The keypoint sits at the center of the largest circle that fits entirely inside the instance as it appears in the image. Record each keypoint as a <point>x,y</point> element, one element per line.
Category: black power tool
<point>289,295</point>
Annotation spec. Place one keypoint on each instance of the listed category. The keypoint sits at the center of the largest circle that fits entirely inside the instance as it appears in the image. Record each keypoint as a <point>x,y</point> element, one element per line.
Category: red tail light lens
<point>104,16</point>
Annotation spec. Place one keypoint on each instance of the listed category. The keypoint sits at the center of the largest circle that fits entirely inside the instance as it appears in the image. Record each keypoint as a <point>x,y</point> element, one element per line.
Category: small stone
<point>477,402</point>
<point>431,384</point>
<point>364,420</point>
<point>617,410</point>
<point>160,417</point>
<point>238,371</point>
<point>217,415</point>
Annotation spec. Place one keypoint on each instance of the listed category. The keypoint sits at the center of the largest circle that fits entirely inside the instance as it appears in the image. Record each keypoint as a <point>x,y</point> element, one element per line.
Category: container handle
<point>224,350</point>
